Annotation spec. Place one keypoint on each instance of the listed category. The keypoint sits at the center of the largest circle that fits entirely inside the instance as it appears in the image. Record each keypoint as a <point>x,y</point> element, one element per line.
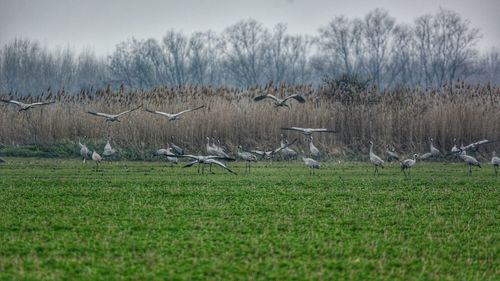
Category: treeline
<point>433,50</point>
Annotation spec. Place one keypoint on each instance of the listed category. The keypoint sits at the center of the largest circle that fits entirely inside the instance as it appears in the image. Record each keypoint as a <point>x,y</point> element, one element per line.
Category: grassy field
<point>136,220</point>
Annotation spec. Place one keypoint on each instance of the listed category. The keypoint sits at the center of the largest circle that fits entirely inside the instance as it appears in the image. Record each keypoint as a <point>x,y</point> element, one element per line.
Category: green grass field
<point>136,220</point>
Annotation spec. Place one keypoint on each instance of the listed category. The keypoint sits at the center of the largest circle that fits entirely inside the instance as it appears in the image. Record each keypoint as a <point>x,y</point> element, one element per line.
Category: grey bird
<point>108,150</point>
<point>424,156</point>
<point>97,158</point>
<point>269,154</point>
<point>474,147</point>
<point>309,131</point>
<point>247,157</point>
<point>173,116</point>
<point>408,164</point>
<point>169,154</point>
<point>376,161</point>
<point>311,164</point>
<point>287,152</point>
<point>112,117</point>
<point>26,106</point>
<point>391,155</point>
<point>434,151</point>
<point>207,160</point>
<point>470,161</point>
<point>176,149</point>
<point>84,151</point>
<point>281,102</point>
<point>313,149</point>
<point>495,161</point>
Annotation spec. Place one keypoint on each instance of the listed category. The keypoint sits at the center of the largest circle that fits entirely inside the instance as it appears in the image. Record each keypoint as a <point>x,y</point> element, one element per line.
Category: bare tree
<point>378,28</point>
<point>244,58</point>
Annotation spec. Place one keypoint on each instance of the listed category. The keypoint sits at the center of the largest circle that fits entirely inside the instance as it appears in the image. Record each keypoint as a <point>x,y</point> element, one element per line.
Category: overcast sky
<point>100,24</point>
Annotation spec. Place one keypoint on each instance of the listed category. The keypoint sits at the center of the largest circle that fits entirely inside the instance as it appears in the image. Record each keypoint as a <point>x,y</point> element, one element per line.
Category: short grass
<point>64,220</point>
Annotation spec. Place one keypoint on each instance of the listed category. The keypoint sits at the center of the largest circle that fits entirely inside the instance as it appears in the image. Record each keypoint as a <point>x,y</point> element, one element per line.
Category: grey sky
<point>101,24</point>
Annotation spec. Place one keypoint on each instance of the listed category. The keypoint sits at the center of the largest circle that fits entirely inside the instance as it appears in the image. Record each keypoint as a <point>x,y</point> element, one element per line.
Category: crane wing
<point>213,161</point>
<point>42,103</point>
<point>130,110</point>
<point>190,164</point>
<point>323,130</point>
<point>478,143</point>
<point>189,110</point>
<point>14,102</point>
<point>268,96</point>
<point>284,146</point>
<point>100,114</point>
<point>158,112</point>
<point>296,97</point>
<point>294,129</point>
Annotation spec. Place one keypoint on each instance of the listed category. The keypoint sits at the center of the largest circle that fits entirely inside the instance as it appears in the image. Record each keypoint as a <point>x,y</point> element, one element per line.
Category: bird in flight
<point>112,117</point>
<point>281,102</point>
<point>309,131</point>
<point>173,116</point>
<point>25,106</point>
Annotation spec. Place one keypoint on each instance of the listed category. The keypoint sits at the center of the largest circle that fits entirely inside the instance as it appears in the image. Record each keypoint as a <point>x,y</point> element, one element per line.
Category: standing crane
<point>376,161</point>
<point>495,161</point>
<point>408,164</point>
<point>178,150</point>
<point>434,151</point>
<point>391,154</point>
<point>84,151</point>
<point>287,152</point>
<point>247,157</point>
<point>469,160</point>
<point>313,149</point>
<point>97,158</point>
<point>455,150</point>
<point>311,164</point>
<point>108,150</point>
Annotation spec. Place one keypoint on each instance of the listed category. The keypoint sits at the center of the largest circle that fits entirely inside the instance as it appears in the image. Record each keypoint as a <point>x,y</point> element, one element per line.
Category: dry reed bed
<point>404,118</point>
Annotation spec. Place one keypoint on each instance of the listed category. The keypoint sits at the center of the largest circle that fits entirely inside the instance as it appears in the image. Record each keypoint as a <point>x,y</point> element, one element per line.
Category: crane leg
<point>496,171</point>
<point>470,170</point>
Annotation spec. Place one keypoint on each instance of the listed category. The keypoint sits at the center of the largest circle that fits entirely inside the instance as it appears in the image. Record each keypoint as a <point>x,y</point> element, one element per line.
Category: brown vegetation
<point>404,117</point>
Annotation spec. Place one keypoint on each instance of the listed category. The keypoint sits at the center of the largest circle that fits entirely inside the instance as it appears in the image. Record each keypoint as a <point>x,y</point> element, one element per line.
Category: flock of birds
<point>217,155</point>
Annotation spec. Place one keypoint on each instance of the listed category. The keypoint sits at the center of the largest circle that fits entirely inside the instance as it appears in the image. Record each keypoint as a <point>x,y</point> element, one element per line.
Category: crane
<point>112,117</point>
<point>97,158</point>
<point>311,164</point>
<point>495,161</point>
<point>247,157</point>
<point>108,150</point>
<point>391,155</point>
<point>84,151</point>
<point>309,131</point>
<point>313,149</point>
<point>434,151</point>
<point>207,160</point>
<point>408,164</point>
<point>26,106</point>
<point>376,161</point>
<point>469,160</point>
<point>281,102</point>
<point>173,116</point>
